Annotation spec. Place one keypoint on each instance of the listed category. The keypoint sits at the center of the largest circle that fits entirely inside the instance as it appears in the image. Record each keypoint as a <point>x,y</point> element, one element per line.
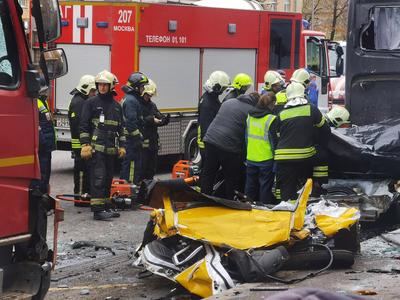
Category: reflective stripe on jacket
<point>258,140</point>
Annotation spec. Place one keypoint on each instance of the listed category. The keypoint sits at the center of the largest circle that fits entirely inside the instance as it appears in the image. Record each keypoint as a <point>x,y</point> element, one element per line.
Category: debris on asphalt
<point>84,292</point>
<point>366,293</point>
<point>83,244</point>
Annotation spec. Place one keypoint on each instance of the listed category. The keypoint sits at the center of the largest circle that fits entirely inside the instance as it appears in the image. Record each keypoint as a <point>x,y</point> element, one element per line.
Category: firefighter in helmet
<point>133,118</point>
<point>85,89</point>
<point>295,151</point>
<point>301,76</point>
<point>337,117</point>
<point>152,119</point>
<point>311,89</point>
<point>240,84</point>
<point>209,105</point>
<point>274,83</point>
<point>102,138</point>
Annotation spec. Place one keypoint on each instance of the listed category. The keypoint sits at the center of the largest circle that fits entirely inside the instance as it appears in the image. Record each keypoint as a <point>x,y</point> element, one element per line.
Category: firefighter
<point>283,75</point>
<point>274,83</point>
<point>338,116</point>
<point>153,119</point>
<point>133,118</point>
<point>311,89</point>
<point>209,105</point>
<point>225,145</point>
<point>261,140</point>
<point>240,84</point>
<point>297,139</point>
<point>102,138</point>
<point>301,76</point>
<point>47,141</point>
<point>86,88</point>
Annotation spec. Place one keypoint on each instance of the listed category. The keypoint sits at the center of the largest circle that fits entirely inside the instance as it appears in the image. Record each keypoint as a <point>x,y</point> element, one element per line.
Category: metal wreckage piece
<point>210,244</point>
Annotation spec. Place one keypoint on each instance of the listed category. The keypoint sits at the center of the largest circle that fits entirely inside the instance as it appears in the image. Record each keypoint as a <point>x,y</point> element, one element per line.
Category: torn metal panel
<point>371,197</point>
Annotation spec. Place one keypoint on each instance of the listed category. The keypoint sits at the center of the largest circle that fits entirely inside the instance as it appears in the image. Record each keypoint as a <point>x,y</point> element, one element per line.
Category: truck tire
<point>318,259</point>
<point>192,150</point>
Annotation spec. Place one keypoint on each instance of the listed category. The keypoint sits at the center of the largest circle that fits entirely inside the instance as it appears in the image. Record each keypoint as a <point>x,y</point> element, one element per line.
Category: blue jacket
<point>47,136</point>
<point>133,117</point>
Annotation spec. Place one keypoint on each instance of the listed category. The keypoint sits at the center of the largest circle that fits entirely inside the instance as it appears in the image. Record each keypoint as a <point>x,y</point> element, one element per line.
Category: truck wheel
<point>44,286</point>
<point>192,150</point>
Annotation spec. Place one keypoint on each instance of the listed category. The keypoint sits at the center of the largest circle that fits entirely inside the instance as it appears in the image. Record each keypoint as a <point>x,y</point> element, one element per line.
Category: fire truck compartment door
<point>231,61</point>
<point>176,74</point>
<point>82,60</point>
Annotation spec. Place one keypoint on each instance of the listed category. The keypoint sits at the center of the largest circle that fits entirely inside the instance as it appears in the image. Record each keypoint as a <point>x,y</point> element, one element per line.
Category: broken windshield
<point>382,31</point>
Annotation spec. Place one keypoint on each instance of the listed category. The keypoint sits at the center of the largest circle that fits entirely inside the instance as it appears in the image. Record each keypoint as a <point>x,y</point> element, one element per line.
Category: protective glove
<point>86,151</point>
<point>166,119</point>
<point>121,152</point>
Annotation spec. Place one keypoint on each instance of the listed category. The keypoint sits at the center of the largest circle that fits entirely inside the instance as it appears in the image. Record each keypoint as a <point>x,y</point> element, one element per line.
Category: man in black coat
<point>85,89</point>
<point>152,119</point>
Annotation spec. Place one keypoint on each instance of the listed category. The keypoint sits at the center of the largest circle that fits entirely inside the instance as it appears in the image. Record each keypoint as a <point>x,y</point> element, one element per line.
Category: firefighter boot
<point>103,215</point>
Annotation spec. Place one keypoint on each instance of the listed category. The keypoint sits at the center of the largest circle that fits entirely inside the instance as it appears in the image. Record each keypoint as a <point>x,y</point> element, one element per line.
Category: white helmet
<point>295,90</point>
<point>106,77</point>
<point>338,115</point>
<point>150,88</point>
<point>301,76</point>
<point>86,83</point>
<point>272,77</point>
<point>217,82</point>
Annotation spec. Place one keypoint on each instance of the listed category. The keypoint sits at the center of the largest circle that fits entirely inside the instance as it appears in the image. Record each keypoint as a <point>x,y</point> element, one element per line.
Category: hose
<point>71,198</point>
<point>296,280</point>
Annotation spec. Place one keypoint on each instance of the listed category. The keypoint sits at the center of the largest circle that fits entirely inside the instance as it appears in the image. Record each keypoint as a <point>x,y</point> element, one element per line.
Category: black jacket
<point>227,131</point>
<point>297,128</point>
<point>149,129</point>
<point>74,117</point>
<point>133,117</point>
<point>208,108</point>
<point>102,124</point>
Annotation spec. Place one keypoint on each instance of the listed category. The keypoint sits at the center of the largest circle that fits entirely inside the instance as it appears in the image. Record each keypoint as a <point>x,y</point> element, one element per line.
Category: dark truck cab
<point>373,61</point>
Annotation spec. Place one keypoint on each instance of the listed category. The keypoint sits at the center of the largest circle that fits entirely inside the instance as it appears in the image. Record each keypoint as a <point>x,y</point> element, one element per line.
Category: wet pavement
<point>95,257</point>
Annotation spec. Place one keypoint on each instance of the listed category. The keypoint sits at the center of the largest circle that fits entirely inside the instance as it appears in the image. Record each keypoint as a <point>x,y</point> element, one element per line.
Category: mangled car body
<point>210,244</point>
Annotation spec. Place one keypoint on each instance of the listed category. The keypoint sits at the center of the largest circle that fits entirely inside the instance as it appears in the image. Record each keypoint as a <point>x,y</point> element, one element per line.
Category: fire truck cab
<point>178,46</point>
<point>25,261</point>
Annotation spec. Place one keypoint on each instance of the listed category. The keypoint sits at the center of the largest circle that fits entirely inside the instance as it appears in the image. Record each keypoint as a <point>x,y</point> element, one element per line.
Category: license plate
<point>62,121</point>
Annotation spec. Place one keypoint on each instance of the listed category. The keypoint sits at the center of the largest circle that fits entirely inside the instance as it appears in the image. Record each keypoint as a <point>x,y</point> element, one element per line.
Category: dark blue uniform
<point>133,119</point>
<point>149,130</point>
<point>47,142</point>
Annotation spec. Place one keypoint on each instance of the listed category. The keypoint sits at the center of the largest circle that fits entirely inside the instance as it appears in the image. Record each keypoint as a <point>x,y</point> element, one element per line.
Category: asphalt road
<point>101,265</point>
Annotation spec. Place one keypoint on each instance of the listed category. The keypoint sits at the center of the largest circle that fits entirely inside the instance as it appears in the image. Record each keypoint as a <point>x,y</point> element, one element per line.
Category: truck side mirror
<point>339,60</point>
<point>33,83</point>
<point>54,63</point>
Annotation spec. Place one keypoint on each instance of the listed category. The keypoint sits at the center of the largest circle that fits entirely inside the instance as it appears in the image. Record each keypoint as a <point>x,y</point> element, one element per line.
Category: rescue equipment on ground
<point>123,195</point>
<point>185,169</point>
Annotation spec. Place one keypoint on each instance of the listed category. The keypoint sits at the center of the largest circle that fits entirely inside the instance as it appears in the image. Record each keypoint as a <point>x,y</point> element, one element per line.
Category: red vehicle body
<point>178,46</point>
<point>25,261</point>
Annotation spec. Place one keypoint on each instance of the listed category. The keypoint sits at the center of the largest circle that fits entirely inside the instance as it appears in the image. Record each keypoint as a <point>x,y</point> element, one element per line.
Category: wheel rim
<point>194,151</point>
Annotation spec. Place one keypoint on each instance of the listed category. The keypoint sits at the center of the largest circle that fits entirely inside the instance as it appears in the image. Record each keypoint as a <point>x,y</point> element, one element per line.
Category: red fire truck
<point>178,46</point>
<point>25,261</point>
